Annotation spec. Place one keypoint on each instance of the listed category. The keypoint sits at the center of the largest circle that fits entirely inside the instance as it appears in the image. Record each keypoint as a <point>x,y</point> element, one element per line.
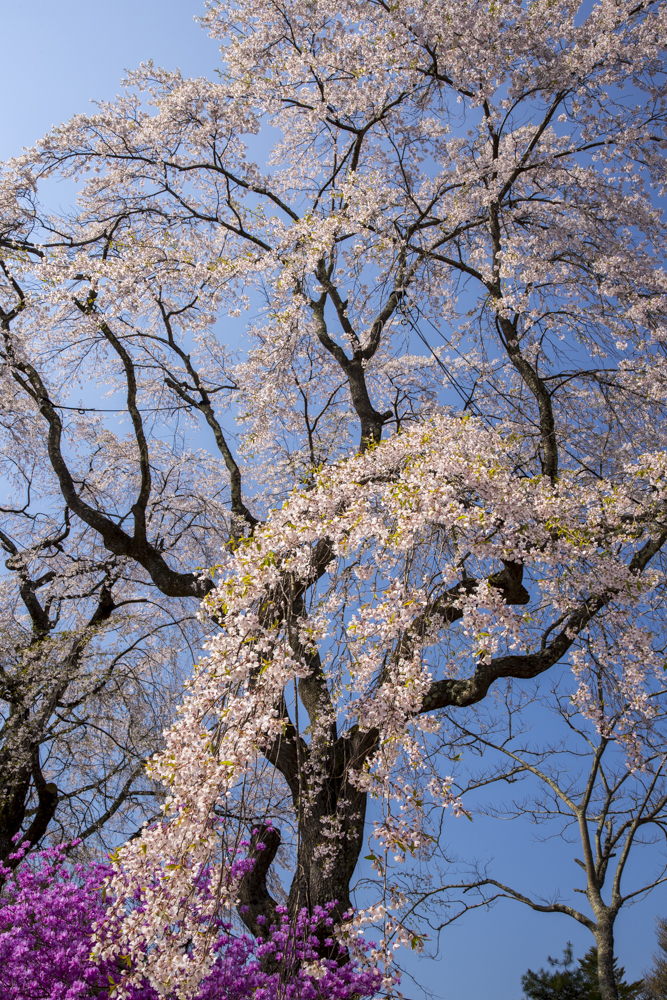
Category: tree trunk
<point>330,837</point>
<point>17,774</point>
<point>324,870</point>
<point>604,936</point>
<point>13,798</point>
<point>325,863</point>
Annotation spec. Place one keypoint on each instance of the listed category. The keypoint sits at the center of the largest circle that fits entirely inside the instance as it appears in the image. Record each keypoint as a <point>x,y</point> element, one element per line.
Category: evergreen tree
<point>564,983</point>
<point>580,982</point>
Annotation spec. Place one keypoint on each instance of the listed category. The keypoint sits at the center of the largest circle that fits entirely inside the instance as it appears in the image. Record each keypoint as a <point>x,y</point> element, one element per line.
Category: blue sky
<point>57,56</point>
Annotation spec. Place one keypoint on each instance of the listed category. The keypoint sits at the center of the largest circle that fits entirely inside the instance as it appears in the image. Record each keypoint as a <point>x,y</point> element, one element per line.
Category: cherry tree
<point>85,684</point>
<point>453,255</point>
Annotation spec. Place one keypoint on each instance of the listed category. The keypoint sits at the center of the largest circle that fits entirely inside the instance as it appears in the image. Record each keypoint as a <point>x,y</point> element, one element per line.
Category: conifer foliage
<point>570,981</point>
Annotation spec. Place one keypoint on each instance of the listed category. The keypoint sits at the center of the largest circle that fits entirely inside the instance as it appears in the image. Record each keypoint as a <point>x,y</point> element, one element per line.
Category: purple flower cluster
<point>47,910</point>
<point>49,906</point>
<point>237,974</point>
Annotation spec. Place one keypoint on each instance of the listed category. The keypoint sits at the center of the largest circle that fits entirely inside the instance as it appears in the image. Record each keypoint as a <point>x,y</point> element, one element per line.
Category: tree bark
<point>604,937</point>
<point>17,772</point>
<point>329,840</point>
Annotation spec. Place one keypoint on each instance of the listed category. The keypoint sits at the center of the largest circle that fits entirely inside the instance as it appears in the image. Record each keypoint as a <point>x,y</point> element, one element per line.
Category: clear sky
<point>57,56</point>
<point>60,54</point>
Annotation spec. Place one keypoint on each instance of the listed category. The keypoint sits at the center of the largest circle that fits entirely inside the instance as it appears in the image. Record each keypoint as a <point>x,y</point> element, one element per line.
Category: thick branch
<point>462,693</point>
<point>255,900</point>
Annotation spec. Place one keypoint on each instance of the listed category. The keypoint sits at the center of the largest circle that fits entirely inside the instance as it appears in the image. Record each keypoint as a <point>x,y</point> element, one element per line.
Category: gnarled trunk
<point>329,841</point>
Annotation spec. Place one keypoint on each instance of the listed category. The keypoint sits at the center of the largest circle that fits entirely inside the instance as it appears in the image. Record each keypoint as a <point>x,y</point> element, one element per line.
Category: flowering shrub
<point>46,916</point>
<point>237,975</point>
<point>47,911</point>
